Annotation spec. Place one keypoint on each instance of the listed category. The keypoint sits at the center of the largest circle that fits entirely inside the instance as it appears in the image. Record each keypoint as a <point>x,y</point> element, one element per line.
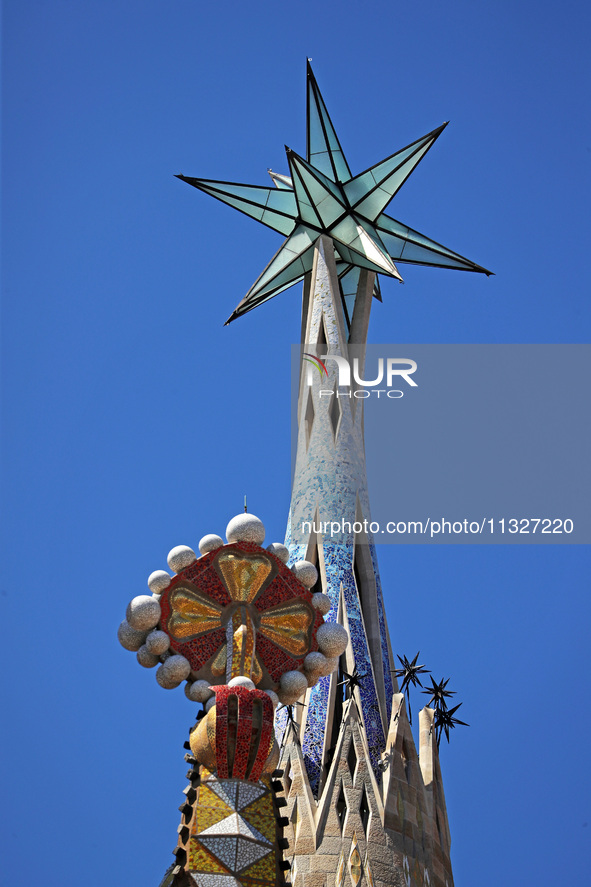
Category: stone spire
<point>363,806</point>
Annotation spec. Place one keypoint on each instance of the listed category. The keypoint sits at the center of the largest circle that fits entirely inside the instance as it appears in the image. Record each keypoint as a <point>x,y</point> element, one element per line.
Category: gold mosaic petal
<point>201,860</point>
<point>288,626</point>
<point>243,575</point>
<point>368,873</point>
<point>257,671</point>
<point>192,613</point>
<point>242,643</point>
<point>355,867</point>
<point>218,666</point>
<point>340,875</point>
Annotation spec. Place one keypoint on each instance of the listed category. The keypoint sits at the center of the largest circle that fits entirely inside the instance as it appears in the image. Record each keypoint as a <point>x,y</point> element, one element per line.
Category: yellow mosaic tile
<point>209,798</point>
<point>244,575</point>
<point>264,868</point>
<point>288,626</point>
<point>192,613</point>
<point>260,814</point>
<point>242,642</point>
<point>206,816</point>
<point>201,860</point>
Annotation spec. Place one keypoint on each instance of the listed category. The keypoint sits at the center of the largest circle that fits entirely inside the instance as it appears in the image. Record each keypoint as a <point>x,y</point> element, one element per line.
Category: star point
<point>322,197</point>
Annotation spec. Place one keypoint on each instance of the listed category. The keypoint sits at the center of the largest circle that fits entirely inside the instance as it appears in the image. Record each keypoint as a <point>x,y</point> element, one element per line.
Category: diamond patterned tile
<point>206,817</point>
<point>223,848</point>
<point>226,789</point>
<point>202,880</point>
<point>200,859</point>
<point>263,869</point>
<point>248,853</point>
<point>249,793</point>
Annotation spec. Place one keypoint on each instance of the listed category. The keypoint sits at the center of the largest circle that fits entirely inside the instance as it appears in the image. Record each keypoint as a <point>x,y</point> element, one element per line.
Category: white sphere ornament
<point>210,703</point>
<point>198,691</point>
<point>306,573</point>
<point>143,612</point>
<point>332,639</point>
<point>332,663</point>
<point>316,666</point>
<point>158,581</point>
<point>130,638</point>
<point>211,542</point>
<point>321,602</point>
<point>242,681</point>
<point>246,528</point>
<point>157,642</point>
<point>273,697</point>
<point>292,685</point>
<point>180,557</point>
<point>177,668</point>
<point>165,679</point>
<point>279,551</point>
<point>147,659</point>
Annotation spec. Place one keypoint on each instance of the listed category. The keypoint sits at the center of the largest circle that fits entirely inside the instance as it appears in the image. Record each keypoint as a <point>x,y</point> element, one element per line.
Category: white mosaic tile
<point>247,793</point>
<point>205,880</point>
<point>223,848</point>
<point>249,853</point>
<point>226,789</point>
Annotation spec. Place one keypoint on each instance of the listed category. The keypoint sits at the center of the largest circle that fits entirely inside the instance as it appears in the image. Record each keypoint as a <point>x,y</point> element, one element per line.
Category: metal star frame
<point>409,673</point>
<point>438,693</point>
<point>445,721</point>
<point>321,196</point>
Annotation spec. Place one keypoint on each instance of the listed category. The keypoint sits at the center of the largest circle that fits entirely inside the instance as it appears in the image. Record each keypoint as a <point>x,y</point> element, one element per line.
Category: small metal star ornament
<point>438,693</point>
<point>409,673</point>
<point>445,721</point>
<point>350,681</point>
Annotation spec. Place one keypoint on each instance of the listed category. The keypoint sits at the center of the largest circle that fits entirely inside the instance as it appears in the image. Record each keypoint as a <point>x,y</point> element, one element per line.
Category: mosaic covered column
<point>330,483</point>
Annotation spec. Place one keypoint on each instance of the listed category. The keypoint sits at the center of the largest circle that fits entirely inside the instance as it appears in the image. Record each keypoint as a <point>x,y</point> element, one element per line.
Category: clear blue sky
<point>134,421</point>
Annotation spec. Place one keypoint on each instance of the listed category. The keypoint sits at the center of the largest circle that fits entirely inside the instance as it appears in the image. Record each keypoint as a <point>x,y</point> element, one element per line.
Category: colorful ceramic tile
<point>263,869</point>
<point>249,853</point>
<point>206,817</point>
<point>200,859</point>
<point>248,792</point>
<point>224,848</point>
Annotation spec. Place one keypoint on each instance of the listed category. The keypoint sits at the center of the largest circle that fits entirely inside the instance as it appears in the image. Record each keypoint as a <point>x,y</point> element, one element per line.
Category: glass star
<point>322,197</point>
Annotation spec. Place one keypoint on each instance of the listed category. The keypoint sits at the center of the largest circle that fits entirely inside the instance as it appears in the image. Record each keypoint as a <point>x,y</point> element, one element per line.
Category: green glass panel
<point>275,279</point>
<point>398,166</point>
<point>346,230</point>
<point>376,202</point>
<point>355,258</point>
<point>306,210</point>
<point>252,200</point>
<point>323,193</point>
<point>405,244</point>
<point>279,223</point>
<point>322,143</point>
<point>284,201</point>
<point>350,281</point>
<point>425,256</point>
<point>350,303</point>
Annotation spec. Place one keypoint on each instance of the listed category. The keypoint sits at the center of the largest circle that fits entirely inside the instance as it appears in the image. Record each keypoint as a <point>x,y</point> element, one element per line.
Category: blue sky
<point>134,421</point>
